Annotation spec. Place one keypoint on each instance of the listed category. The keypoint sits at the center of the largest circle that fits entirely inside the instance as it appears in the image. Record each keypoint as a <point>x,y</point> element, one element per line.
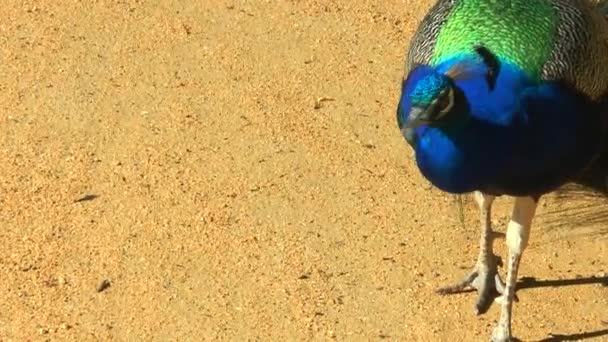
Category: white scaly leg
<point>518,233</point>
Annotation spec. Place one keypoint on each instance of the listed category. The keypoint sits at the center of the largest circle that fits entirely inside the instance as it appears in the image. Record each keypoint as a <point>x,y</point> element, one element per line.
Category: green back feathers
<point>517,31</point>
<point>563,40</point>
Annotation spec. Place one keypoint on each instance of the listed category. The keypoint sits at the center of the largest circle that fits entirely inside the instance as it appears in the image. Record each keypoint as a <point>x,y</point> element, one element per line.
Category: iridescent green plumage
<point>523,34</point>
<point>549,39</point>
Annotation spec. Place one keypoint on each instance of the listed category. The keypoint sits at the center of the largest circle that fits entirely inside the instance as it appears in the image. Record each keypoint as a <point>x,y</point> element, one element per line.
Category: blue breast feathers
<point>518,137</point>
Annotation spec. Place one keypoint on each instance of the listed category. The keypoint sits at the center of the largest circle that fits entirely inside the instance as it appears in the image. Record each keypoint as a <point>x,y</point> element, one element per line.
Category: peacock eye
<point>445,102</point>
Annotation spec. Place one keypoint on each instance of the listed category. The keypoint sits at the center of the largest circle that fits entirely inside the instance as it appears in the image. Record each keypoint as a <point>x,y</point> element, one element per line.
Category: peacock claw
<point>485,279</point>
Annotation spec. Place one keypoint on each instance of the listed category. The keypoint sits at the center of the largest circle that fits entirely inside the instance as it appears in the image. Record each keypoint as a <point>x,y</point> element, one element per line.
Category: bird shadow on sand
<point>531,282</point>
<point>576,337</point>
<point>577,212</point>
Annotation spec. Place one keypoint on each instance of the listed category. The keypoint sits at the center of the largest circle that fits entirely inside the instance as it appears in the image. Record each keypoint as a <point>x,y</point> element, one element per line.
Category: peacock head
<point>432,99</point>
<point>431,96</point>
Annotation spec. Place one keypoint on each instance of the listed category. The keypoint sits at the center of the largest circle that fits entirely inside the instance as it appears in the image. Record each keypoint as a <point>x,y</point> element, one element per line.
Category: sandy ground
<point>174,149</point>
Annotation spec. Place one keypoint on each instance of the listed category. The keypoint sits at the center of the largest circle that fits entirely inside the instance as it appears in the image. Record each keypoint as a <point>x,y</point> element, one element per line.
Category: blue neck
<point>512,137</point>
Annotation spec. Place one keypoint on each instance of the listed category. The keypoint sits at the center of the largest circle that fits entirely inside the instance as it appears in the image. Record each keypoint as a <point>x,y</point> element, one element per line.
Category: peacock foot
<point>485,279</point>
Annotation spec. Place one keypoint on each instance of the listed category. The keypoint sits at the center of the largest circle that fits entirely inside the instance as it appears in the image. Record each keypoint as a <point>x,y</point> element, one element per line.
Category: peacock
<point>507,98</point>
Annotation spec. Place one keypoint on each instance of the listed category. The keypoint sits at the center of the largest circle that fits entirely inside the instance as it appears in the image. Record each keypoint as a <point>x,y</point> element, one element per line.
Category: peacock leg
<point>518,233</point>
<point>484,276</point>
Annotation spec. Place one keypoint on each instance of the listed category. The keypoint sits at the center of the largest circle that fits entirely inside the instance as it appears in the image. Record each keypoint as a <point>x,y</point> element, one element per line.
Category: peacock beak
<point>418,117</point>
